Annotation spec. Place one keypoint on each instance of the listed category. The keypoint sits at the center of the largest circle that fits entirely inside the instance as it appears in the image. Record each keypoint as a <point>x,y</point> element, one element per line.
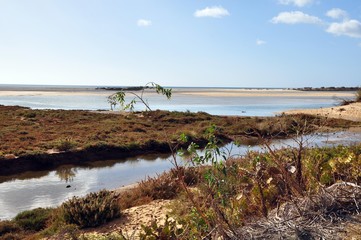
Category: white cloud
<point>337,13</point>
<point>260,42</point>
<point>295,18</point>
<point>350,28</point>
<point>359,44</point>
<point>144,23</point>
<point>298,3</point>
<point>216,12</point>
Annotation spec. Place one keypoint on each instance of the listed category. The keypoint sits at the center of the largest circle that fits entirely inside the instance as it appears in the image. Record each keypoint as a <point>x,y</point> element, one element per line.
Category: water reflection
<point>50,188</point>
<point>66,174</point>
<point>24,176</point>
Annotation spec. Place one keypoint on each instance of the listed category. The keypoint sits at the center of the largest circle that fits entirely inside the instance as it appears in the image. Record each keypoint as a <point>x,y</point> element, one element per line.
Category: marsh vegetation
<point>217,195</point>
<point>31,134</point>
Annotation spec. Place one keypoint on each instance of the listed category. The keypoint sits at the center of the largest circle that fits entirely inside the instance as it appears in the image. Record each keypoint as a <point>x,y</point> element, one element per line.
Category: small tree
<point>119,97</point>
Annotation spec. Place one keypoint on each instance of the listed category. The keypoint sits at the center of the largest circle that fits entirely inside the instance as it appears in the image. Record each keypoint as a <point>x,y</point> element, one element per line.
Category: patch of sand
<point>349,112</point>
<point>132,219</point>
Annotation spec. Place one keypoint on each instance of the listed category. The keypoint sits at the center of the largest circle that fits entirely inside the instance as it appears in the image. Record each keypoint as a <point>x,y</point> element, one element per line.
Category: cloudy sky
<point>231,43</point>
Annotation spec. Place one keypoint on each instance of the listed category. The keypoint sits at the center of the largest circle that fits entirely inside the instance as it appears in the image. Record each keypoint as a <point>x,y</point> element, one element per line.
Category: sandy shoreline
<point>125,188</point>
<point>349,112</point>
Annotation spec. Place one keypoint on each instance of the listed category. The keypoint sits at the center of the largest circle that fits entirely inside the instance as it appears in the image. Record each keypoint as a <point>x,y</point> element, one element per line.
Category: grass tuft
<point>33,220</point>
<point>92,210</point>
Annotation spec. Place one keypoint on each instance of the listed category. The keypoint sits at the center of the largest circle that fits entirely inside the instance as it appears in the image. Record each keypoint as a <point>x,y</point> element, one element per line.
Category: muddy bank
<point>45,161</point>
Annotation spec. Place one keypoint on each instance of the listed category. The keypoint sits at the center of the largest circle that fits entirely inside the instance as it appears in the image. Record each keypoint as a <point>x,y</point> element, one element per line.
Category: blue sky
<point>233,43</point>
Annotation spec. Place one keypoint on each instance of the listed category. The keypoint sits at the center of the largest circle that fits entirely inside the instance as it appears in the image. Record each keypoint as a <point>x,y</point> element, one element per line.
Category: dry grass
<point>164,186</point>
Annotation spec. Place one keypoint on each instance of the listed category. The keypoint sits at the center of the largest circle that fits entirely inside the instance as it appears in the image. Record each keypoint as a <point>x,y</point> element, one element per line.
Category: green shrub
<point>167,231</point>
<point>33,220</point>
<point>65,144</point>
<point>163,186</point>
<point>92,210</point>
<point>70,231</point>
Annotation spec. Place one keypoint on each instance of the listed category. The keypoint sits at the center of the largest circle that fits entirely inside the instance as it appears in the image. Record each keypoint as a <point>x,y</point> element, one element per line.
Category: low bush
<point>30,115</point>
<point>8,227</point>
<point>92,210</point>
<point>12,236</point>
<point>164,186</point>
<point>161,187</point>
<point>169,230</point>
<point>191,175</point>
<point>65,144</point>
<point>133,197</point>
<point>33,220</point>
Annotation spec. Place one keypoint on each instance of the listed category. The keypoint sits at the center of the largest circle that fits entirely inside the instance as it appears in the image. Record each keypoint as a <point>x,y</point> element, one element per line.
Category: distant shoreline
<point>30,87</point>
<point>211,92</point>
<point>327,89</point>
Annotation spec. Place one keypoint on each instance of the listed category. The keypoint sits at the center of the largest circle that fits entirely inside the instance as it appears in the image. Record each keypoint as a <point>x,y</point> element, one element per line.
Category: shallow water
<point>49,188</point>
<point>226,104</point>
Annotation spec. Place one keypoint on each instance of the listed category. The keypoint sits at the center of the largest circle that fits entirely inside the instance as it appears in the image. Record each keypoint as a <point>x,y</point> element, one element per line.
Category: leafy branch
<point>119,97</point>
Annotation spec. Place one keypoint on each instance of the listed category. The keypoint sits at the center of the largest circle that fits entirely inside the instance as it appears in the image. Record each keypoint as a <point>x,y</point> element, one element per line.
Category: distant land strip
<point>140,88</point>
<point>123,88</point>
<point>327,89</point>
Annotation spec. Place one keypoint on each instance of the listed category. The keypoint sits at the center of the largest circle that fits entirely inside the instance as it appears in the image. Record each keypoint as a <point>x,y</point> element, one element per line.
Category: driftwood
<point>320,216</point>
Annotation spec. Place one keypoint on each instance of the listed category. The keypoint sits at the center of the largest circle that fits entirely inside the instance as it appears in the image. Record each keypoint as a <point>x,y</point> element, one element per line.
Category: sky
<point>203,43</point>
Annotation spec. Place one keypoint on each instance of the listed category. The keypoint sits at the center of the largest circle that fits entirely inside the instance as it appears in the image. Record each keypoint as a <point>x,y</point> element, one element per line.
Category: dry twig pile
<point>320,216</point>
